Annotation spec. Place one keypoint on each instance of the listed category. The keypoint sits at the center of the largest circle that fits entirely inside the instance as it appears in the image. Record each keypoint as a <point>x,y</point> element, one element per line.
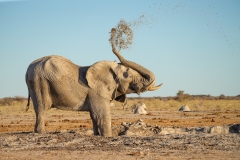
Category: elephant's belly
<point>70,97</point>
<point>70,102</point>
<point>72,107</point>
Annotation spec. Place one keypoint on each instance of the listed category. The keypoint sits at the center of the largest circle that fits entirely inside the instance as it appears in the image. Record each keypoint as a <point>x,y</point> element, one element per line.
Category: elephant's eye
<point>125,74</point>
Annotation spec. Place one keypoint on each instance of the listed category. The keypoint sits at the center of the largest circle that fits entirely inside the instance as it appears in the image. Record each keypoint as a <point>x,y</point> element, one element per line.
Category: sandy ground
<point>161,135</point>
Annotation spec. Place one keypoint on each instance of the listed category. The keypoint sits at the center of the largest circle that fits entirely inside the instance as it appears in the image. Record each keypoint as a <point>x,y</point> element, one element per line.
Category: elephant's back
<point>52,67</point>
<point>50,59</point>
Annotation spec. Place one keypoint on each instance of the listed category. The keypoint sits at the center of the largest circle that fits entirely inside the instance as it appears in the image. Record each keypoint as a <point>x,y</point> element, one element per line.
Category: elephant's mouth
<point>149,88</point>
<point>139,87</point>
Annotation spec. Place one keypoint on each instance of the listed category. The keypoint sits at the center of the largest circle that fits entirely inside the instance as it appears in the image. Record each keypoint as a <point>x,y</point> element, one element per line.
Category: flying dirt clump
<point>121,35</point>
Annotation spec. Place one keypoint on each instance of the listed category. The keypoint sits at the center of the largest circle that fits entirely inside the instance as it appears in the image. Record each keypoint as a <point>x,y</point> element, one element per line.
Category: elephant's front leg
<point>104,126</point>
<point>101,116</point>
<point>95,126</point>
<point>101,124</point>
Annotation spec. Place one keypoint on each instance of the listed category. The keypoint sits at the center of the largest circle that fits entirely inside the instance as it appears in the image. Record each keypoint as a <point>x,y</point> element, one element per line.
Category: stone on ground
<point>184,108</point>
<point>140,109</point>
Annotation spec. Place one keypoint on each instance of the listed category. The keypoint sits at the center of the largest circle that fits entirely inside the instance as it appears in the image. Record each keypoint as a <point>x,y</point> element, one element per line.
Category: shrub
<point>9,101</point>
<point>181,96</point>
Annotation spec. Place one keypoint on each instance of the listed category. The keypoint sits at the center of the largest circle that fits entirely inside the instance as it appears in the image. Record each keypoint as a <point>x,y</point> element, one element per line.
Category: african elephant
<point>54,81</point>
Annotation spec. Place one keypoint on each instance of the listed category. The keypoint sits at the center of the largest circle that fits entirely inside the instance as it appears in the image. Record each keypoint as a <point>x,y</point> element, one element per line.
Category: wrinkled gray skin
<point>54,81</point>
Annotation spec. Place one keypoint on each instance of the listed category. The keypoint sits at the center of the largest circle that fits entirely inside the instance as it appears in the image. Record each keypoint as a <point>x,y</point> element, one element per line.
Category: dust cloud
<point>122,35</point>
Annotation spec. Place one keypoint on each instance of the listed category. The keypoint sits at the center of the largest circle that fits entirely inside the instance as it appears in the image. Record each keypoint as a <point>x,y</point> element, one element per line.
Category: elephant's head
<point>147,80</point>
<point>113,81</point>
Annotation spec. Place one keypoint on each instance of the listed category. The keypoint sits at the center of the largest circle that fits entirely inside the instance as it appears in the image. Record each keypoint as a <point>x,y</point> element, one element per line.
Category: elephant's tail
<point>28,104</point>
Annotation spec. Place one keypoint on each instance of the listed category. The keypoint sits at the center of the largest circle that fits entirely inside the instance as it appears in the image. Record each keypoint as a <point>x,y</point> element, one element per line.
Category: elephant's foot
<point>101,123</point>
<point>107,135</point>
<point>40,130</point>
<point>95,132</point>
<point>105,128</point>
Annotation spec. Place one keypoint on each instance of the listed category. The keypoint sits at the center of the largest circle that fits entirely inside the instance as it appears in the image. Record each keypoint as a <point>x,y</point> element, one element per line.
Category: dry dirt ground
<point>199,134</point>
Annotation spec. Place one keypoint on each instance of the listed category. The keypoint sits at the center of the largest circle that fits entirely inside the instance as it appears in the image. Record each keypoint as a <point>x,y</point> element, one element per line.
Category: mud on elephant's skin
<point>54,81</point>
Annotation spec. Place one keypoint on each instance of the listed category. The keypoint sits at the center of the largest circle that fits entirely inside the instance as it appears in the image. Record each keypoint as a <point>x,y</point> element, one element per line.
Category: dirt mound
<point>140,128</point>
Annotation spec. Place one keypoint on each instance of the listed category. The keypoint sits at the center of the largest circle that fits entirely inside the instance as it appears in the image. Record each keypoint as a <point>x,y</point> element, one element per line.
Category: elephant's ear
<point>100,78</point>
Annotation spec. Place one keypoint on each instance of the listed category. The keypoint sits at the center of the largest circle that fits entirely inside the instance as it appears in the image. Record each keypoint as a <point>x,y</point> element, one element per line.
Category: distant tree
<point>182,96</point>
<point>180,93</point>
<point>9,101</point>
<point>222,96</point>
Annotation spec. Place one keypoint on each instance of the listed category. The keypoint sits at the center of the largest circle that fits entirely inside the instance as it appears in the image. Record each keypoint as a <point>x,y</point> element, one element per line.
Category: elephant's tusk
<point>154,88</point>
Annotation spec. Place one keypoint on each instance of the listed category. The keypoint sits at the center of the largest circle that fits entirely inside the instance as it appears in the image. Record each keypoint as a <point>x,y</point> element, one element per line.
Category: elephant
<point>56,82</point>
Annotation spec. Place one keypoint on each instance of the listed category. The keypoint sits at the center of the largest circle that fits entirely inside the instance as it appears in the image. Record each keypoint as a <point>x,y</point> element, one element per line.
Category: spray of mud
<point>156,12</point>
<point>122,35</point>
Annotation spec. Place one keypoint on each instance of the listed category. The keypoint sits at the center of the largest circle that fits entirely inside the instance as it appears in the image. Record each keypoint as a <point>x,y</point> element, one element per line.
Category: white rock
<point>184,108</point>
<point>219,130</point>
<point>140,109</point>
<point>88,132</point>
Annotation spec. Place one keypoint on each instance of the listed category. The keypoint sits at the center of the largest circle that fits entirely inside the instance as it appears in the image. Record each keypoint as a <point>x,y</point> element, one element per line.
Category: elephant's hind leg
<point>40,121</point>
<point>42,103</point>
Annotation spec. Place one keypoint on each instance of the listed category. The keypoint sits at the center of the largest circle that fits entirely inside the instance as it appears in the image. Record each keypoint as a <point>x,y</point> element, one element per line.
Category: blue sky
<point>189,45</point>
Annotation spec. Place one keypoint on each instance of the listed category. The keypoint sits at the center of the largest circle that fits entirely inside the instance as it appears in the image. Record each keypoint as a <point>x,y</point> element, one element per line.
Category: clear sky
<point>190,45</point>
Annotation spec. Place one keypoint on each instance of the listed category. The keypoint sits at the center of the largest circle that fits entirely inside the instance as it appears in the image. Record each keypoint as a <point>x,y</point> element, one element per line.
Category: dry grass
<point>20,108</point>
<point>153,104</point>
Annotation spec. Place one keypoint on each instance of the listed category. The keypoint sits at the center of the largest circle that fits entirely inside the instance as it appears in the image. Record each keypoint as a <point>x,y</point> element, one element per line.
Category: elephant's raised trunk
<point>149,78</point>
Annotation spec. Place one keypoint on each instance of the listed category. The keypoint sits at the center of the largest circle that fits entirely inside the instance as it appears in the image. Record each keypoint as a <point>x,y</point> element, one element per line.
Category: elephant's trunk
<point>149,78</point>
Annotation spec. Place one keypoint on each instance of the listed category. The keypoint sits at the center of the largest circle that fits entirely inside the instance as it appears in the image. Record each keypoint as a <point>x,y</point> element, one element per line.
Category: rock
<point>234,128</point>
<point>124,123</point>
<point>184,108</point>
<point>118,130</point>
<point>64,131</point>
<point>140,109</point>
<point>138,128</point>
<point>170,130</point>
<point>11,138</point>
<point>88,132</point>
<point>219,130</point>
